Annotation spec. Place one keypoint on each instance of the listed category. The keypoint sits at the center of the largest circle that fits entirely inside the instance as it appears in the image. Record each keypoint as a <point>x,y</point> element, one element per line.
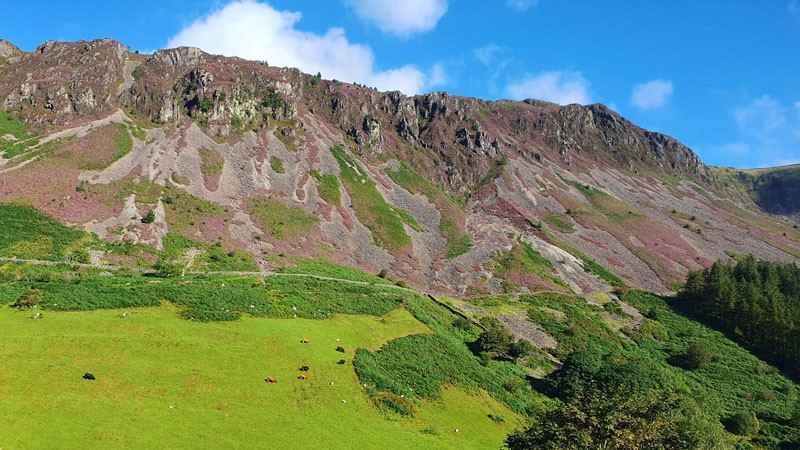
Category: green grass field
<point>164,382</point>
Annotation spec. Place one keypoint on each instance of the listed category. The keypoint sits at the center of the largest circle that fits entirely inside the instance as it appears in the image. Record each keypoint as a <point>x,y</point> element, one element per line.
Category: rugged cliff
<point>452,194</point>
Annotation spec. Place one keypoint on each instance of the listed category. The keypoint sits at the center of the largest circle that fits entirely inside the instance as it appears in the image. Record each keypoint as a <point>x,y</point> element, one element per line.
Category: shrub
<point>168,269</point>
<point>743,423</point>
<point>30,299</point>
<point>462,323</point>
<point>393,403</point>
<point>150,217</point>
<point>696,357</point>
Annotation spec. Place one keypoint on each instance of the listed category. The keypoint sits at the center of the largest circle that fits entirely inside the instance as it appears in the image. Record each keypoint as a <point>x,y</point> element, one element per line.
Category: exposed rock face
<point>8,50</point>
<point>491,176</point>
<point>61,82</point>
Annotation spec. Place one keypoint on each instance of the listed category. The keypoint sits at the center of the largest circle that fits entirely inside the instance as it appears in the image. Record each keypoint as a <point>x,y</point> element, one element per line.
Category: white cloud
<point>763,115</point>
<point>734,148</point>
<point>562,87</point>
<point>401,18</point>
<point>521,5</point>
<point>652,95</point>
<point>437,77</point>
<point>488,53</point>
<point>770,130</point>
<point>253,30</point>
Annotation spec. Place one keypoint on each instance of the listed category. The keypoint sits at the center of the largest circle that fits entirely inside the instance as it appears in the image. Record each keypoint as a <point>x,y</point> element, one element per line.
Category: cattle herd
<point>303,376</point>
<point>304,368</point>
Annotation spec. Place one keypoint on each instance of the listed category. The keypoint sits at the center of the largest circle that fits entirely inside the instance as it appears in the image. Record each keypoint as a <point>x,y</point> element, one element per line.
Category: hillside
<point>774,190</point>
<point>215,353</point>
<point>443,192</point>
<point>434,270</point>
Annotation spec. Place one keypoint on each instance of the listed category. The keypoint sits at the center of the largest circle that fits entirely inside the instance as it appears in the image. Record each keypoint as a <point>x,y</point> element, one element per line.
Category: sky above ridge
<point>721,76</point>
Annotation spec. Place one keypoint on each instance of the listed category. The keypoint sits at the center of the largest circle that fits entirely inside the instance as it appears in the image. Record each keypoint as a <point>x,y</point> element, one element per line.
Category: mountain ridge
<point>428,172</point>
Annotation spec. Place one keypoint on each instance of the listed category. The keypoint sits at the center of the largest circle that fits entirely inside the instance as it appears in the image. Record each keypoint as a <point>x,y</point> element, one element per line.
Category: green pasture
<point>165,382</point>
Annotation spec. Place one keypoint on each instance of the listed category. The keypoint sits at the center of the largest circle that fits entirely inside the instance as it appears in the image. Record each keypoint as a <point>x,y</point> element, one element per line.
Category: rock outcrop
<point>440,190</point>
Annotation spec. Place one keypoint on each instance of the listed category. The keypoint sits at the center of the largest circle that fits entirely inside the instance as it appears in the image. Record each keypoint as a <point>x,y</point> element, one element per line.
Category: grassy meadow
<point>165,382</point>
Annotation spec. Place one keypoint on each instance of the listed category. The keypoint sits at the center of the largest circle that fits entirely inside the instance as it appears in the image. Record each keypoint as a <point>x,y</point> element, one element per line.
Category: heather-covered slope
<point>451,194</point>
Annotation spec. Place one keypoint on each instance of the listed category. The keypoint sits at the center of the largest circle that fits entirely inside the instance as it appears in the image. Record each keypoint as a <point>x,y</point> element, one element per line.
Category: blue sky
<point>723,77</point>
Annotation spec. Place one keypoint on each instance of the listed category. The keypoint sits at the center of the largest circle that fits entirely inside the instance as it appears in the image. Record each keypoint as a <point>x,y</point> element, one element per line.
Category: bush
<point>495,418</point>
<point>150,217</point>
<point>30,299</point>
<point>743,423</point>
<point>696,357</point>
<point>393,403</point>
<point>462,323</point>
<point>168,269</point>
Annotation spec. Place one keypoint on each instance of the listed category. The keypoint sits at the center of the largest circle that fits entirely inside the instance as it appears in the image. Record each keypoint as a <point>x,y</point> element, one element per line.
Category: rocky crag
<point>453,195</point>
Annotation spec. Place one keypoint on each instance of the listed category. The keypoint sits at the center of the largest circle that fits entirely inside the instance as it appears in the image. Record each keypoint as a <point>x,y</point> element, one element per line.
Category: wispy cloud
<point>770,129</point>
<point>734,148</point>
<point>761,117</point>
<point>521,5</point>
<point>562,87</point>
<point>488,53</point>
<point>797,107</point>
<point>652,94</point>
<point>401,18</point>
<point>257,31</point>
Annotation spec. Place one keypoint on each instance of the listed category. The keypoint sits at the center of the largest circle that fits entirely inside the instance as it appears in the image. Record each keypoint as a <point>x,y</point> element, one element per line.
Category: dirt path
<point>41,262</point>
<point>117,117</point>
<point>127,73</point>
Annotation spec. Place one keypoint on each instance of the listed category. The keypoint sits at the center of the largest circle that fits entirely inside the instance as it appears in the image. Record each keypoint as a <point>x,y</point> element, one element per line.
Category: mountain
<point>453,195</point>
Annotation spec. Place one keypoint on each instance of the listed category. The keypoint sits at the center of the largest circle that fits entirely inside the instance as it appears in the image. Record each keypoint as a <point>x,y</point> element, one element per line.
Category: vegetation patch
<point>558,222</point>
<point>727,379</point>
<point>123,142</point>
<point>458,241</point>
<point>212,258</point>
<point>211,162</point>
<point>372,210</point>
<point>516,265</point>
<point>754,302</point>
<point>579,326</point>
<point>324,268</point>
<point>281,221</point>
<point>14,137</point>
<point>490,175</point>
<point>419,366</point>
<point>328,187</point>
<point>29,234</point>
<point>276,164</point>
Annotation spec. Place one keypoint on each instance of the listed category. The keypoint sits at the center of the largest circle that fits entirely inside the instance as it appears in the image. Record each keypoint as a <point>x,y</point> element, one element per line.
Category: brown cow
<point>305,341</point>
<point>303,376</point>
<point>271,380</point>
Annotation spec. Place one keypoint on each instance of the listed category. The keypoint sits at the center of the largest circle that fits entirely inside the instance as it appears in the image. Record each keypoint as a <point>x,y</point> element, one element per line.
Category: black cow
<point>340,349</point>
<point>88,376</point>
<point>341,361</point>
<point>304,369</point>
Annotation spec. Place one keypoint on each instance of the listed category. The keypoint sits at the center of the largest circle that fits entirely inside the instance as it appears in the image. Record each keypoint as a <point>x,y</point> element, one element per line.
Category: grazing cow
<point>88,376</point>
<point>341,361</point>
<point>340,349</point>
<point>305,341</point>
<point>304,369</point>
<point>271,380</point>
<point>303,376</point>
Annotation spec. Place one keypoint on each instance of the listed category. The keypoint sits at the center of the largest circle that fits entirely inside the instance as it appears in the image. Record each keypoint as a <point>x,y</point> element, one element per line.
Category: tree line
<point>756,303</point>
